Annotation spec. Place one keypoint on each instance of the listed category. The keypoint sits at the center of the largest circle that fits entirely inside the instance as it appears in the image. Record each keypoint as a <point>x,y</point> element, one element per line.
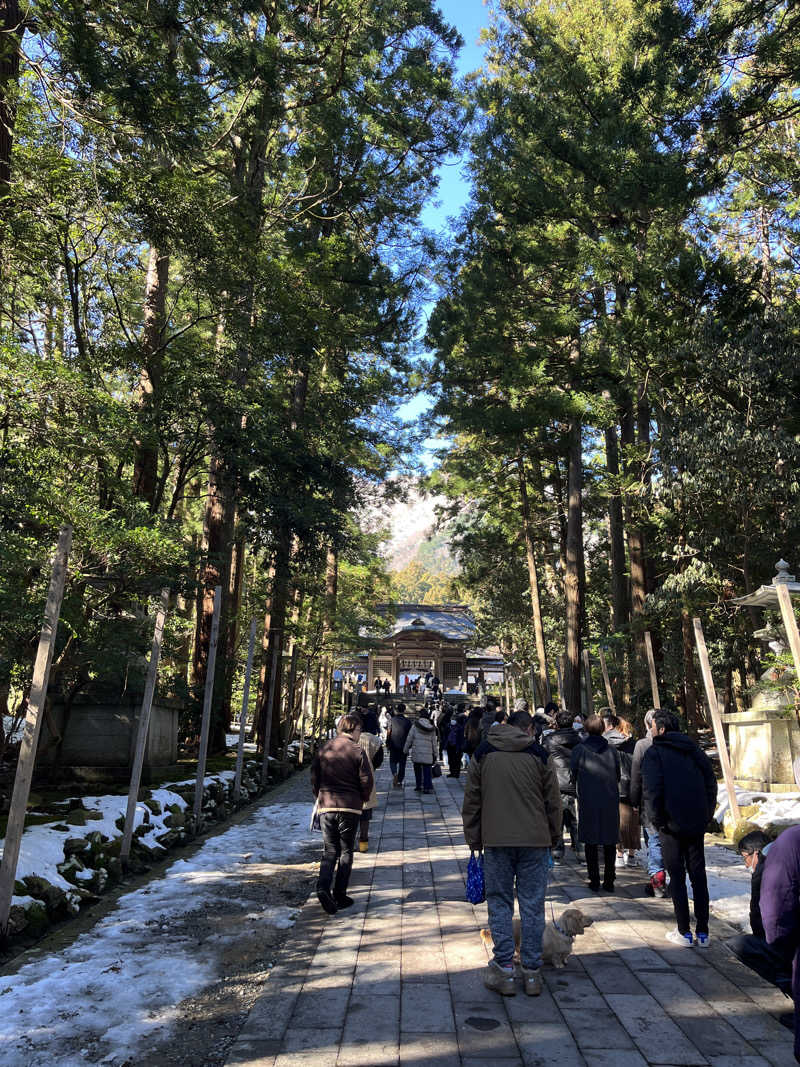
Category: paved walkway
<point>397,978</point>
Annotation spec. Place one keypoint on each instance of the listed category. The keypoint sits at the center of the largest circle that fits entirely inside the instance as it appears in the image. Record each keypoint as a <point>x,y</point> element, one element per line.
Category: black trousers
<point>683,854</point>
<point>454,760</point>
<point>609,863</point>
<point>363,824</point>
<point>764,960</point>
<point>338,841</point>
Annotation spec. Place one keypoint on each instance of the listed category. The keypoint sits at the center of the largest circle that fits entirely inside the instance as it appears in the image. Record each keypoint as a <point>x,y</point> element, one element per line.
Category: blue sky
<point>469,17</point>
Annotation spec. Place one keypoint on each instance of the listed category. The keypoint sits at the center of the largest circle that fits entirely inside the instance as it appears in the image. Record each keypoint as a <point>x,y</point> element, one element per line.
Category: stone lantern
<point>765,740</point>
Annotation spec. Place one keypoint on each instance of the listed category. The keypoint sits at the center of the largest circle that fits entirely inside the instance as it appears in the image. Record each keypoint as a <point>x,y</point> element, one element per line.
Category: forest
<point>216,290</point>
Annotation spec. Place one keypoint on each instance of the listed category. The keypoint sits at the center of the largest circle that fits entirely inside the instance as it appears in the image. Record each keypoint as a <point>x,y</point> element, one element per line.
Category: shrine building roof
<point>453,622</point>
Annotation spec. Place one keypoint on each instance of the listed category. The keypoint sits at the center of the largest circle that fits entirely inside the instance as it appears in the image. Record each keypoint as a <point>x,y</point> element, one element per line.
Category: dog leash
<point>555,924</point>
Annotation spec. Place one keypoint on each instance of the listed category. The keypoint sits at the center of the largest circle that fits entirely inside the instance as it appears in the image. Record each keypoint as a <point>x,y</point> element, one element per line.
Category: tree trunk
<point>533,582</point>
<point>275,627</point>
<point>572,578</point>
<point>11,31</point>
<point>689,675</point>
<point>328,623</point>
<point>145,463</point>
<point>620,609</point>
<point>636,549</point>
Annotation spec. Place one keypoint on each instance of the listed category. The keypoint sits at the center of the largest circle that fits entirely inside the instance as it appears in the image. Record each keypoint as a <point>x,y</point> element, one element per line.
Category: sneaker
<point>701,940</point>
<point>363,846</point>
<point>620,860</point>
<point>677,938</point>
<point>532,981</point>
<point>658,884</point>
<point>343,901</point>
<point>608,887</point>
<point>630,860</point>
<point>500,979</point>
<point>325,897</point>
<point>417,788</point>
<point>594,886</point>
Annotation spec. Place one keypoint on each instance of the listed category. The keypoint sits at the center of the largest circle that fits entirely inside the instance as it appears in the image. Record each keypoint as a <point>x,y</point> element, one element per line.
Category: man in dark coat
<point>341,778</point>
<point>657,883</point>
<point>681,794</point>
<point>395,739</point>
<point>780,909</point>
<point>559,746</point>
<point>594,766</point>
<point>752,949</point>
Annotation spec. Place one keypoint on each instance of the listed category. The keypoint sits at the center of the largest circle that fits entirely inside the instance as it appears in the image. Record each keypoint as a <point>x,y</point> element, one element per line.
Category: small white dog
<point>557,940</point>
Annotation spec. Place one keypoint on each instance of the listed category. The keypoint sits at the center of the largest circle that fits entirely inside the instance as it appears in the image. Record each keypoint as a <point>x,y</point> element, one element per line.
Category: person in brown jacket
<point>512,810</point>
<point>342,780</point>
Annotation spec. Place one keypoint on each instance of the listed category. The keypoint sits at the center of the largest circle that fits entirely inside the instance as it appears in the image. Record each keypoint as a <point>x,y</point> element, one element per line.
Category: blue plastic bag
<point>476,888</point>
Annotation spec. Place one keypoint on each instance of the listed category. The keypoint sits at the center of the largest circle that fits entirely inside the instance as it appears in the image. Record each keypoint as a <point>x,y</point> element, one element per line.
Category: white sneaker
<point>677,938</point>
<point>620,860</point>
<point>701,940</point>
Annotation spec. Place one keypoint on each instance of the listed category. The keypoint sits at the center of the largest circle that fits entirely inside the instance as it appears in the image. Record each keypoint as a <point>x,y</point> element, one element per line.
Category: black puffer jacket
<point>559,745</point>
<point>679,784</point>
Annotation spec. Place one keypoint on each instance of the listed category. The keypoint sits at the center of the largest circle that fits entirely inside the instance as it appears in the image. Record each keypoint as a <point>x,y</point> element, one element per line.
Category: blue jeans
<point>654,861</point>
<point>397,763</point>
<point>528,867</point>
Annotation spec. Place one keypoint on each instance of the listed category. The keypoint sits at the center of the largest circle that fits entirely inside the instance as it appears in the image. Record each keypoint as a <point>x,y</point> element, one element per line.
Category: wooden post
<point>33,725</point>
<point>651,663</point>
<point>205,727</point>
<point>789,623</point>
<point>303,699</point>
<point>722,748</point>
<point>587,673</point>
<point>144,723</point>
<point>560,684</point>
<point>607,681</point>
<point>237,781</point>
<point>276,652</point>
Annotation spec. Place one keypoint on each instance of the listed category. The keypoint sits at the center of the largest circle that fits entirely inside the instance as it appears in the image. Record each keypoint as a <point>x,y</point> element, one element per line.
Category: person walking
<point>657,876</point>
<point>512,810</point>
<point>594,766</point>
<point>472,732</point>
<point>681,794</point>
<point>421,744</point>
<point>455,743</point>
<point>780,910</point>
<point>371,744</point>
<point>630,834</point>
<point>342,780</point>
<point>396,735</point>
<point>559,745</point>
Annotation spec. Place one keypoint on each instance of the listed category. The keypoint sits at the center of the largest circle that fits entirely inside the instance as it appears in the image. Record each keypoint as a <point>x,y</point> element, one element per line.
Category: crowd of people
<point>534,779</point>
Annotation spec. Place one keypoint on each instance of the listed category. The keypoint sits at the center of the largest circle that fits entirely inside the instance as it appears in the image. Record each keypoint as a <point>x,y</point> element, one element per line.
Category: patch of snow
<point>118,984</point>
<point>773,807</point>
<point>729,885</point>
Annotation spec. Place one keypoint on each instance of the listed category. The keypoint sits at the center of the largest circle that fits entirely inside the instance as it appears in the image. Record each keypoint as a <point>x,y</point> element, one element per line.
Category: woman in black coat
<point>595,769</point>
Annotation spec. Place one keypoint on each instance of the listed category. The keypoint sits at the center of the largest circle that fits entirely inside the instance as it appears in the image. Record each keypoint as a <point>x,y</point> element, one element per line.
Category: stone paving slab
<point>396,981</point>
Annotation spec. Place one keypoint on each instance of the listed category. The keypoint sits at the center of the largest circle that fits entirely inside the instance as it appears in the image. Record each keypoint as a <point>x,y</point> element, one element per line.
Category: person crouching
<point>342,781</point>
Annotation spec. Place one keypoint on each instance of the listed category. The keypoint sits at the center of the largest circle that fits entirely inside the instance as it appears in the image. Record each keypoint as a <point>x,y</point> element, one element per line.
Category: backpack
<point>454,736</point>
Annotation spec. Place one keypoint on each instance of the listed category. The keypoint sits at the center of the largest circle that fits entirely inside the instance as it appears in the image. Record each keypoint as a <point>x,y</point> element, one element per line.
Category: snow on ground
<point>120,982</point>
<point>772,807</point>
<point>729,884</point>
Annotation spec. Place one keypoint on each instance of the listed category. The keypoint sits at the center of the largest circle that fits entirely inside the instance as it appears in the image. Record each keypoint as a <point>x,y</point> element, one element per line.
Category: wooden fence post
<point>205,726</point>
<point>237,781</point>
<point>651,663</point>
<point>789,623</point>
<point>607,681</point>
<point>303,699</point>
<point>276,652</point>
<point>33,725</point>
<point>144,723</point>
<point>711,693</point>
<point>587,673</point>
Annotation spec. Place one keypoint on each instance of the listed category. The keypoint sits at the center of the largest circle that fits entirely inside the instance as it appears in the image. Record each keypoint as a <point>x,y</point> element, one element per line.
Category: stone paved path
<point>397,978</point>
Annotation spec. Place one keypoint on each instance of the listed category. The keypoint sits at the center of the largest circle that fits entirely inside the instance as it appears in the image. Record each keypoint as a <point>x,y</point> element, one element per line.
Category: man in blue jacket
<point>681,794</point>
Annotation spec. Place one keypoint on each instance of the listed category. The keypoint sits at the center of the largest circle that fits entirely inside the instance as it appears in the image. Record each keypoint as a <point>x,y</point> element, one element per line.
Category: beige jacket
<point>511,796</point>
